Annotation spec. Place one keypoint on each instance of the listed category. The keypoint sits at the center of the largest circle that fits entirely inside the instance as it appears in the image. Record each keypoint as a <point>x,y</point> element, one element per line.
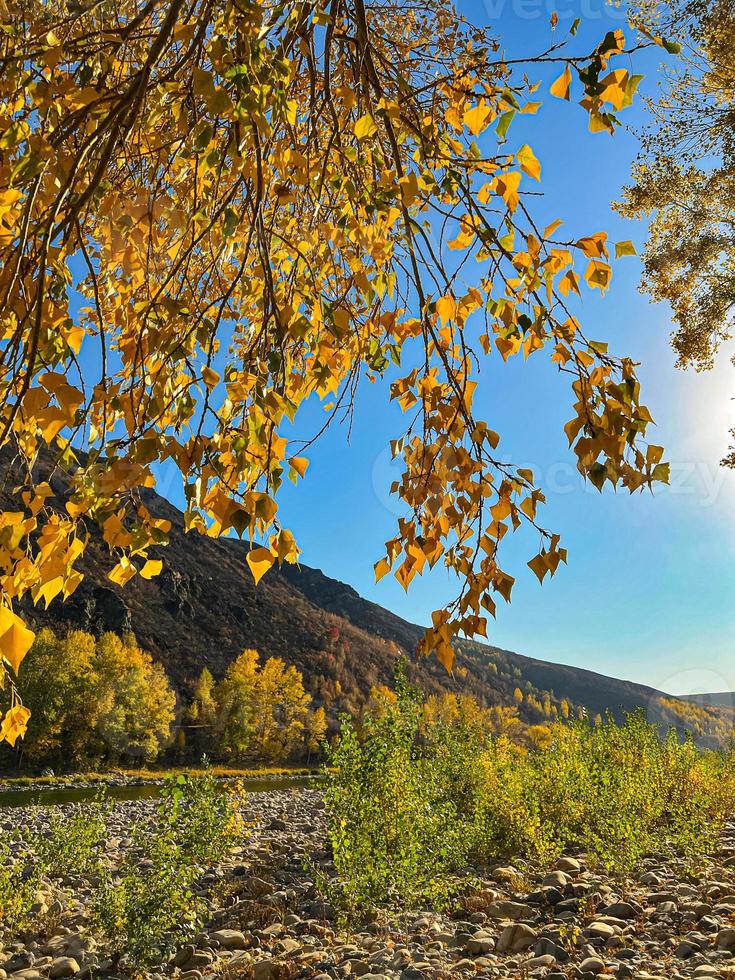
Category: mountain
<point>722,699</point>
<point>204,609</point>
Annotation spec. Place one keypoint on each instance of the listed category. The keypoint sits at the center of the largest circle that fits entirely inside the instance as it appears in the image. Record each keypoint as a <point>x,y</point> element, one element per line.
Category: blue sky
<point>648,592</point>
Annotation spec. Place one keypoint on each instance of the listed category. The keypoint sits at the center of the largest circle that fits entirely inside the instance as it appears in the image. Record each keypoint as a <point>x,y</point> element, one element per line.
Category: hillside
<point>204,609</point>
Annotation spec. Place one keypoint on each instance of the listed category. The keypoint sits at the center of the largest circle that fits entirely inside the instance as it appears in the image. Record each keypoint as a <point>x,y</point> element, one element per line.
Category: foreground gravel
<point>268,923</point>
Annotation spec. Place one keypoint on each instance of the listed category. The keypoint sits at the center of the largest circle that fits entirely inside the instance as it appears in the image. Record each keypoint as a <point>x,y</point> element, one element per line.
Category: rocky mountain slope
<point>204,609</point>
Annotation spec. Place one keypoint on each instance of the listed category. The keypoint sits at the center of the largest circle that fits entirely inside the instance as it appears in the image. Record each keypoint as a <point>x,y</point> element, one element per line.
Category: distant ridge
<point>724,699</point>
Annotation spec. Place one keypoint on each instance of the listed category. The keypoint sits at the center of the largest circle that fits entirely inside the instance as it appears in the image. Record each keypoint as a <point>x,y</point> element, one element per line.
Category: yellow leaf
<point>300,464</point>
<point>122,572</point>
<point>49,590</point>
<point>151,568</point>
<point>75,337</point>
<point>445,655</point>
<point>528,162</point>
<point>14,724</point>
<point>477,118</point>
<point>210,377</point>
<point>15,638</point>
<point>365,126</point>
<point>624,248</point>
<point>562,86</point>
<point>260,560</point>
<point>507,187</point>
<point>539,567</point>
<point>286,546</point>
<point>446,307</point>
<point>597,275</point>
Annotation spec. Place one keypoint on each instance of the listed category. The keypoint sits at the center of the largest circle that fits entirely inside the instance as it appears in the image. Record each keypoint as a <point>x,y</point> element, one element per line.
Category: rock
<point>516,938</point>
<point>264,970</point>
<point>63,966</point>
<point>480,943</point>
<point>556,878</point>
<point>537,962</point>
<point>229,938</point>
<point>600,930</point>
<point>569,865</point>
<point>509,910</point>
<point>622,910</point>
<point>725,939</point>
<point>592,964</point>
<point>547,947</point>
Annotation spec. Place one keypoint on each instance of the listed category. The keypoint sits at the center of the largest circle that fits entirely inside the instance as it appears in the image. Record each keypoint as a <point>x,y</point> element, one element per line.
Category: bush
<point>147,908</point>
<point>149,905</point>
<point>410,801</point>
<point>19,878</point>
<point>203,814</point>
<point>74,841</point>
<point>394,827</point>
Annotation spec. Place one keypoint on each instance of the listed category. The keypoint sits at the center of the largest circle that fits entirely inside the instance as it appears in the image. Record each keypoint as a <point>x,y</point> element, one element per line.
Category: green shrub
<point>74,840</point>
<point>203,814</point>
<point>410,801</point>
<point>149,905</point>
<point>19,878</point>
<point>394,827</point>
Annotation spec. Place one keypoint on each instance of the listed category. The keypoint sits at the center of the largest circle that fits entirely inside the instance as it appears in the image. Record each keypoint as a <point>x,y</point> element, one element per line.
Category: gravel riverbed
<point>267,921</point>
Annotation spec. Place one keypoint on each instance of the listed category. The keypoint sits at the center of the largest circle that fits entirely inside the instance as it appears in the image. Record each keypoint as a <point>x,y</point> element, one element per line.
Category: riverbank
<point>266,919</point>
<point>121,777</point>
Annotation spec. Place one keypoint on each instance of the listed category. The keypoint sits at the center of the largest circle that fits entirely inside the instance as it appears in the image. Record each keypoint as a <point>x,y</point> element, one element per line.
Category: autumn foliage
<point>214,213</point>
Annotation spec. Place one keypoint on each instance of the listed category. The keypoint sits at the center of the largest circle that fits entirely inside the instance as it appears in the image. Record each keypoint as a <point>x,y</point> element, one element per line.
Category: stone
<point>622,910</point>
<point>592,964</point>
<point>516,938</point>
<point>63,966</point>
<point>480,943</point>
<point>600,930</point>
<point>547,947</point>
<point>229,938</point>
<point>509,910</point>
<point>725,939</point>
<point>568,865</point>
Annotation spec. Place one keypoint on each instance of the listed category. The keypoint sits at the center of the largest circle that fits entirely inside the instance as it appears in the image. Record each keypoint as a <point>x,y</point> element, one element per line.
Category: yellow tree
<point>59,684</point>
<point>263,711</point>
<point>252,202</point>
<point>134,703</point>
<point>235,700</point>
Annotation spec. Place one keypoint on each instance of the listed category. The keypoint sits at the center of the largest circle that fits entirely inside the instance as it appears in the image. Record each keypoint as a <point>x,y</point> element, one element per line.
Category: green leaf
<point>504,123</point>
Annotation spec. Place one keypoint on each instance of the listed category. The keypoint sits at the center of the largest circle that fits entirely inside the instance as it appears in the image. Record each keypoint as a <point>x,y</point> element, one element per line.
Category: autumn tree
<point>135,702</point>
<point>212,213</point>
<point>685,177</point>
<point>263,712</point>
<point>59,683</point>
<point>92,699</point>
